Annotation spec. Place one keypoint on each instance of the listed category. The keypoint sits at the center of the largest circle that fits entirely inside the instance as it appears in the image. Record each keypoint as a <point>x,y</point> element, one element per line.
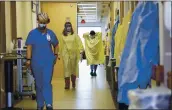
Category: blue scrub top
<point>41,46</point>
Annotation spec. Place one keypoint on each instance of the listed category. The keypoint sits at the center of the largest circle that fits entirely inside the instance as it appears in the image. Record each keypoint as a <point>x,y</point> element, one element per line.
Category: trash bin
<point>8,73</point>
<point>112,74</point>
<point>116,86</point>
<point>107,69</point>
<point>116,78</point>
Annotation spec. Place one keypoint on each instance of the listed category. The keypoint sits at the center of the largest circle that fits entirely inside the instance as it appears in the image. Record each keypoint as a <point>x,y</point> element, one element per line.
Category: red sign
<point>82,21</point>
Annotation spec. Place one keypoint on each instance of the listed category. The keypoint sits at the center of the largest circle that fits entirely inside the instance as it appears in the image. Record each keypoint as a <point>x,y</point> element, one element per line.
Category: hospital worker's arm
<point>29,52</point>
<point>85,35</point>
<point>80,45</point>
<point>29,43</point>
<point>55,43</point>
<point>99,35</point>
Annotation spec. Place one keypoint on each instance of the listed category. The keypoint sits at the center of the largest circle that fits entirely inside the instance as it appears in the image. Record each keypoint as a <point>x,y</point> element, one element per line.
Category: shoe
<point>91,73</point>
<point>73,79</point>
<point>49,107</point>
<point>67,83</point>
<point>40,108</point>
<point>94,74</point>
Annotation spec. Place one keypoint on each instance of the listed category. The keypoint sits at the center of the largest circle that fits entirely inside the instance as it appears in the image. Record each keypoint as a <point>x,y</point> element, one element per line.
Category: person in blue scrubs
<point>41,58</point>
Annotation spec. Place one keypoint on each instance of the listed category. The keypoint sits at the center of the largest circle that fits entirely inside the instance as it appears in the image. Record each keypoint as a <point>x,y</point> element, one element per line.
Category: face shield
<point>68,27</point>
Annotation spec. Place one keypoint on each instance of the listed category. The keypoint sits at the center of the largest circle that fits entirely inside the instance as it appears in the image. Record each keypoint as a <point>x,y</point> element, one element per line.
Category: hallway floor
<point>90,93</point>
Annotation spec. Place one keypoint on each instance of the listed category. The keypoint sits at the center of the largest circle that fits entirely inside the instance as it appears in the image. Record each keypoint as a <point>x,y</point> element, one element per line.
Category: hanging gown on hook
<point>140,51</point>
<point>113,35</point>
<point>120,37</point>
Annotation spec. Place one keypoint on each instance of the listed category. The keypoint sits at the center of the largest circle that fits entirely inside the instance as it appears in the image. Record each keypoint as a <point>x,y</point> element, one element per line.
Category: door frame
<point>2,50</point>
<point>13,20</point>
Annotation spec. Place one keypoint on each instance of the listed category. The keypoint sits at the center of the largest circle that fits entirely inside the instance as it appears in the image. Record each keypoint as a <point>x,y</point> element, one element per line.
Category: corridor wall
<point>8,25</point>
<point>34,13</point>
<point>24,19</point>
<point>165,39</point>
<point>113,7</point>
<point>58,12</point>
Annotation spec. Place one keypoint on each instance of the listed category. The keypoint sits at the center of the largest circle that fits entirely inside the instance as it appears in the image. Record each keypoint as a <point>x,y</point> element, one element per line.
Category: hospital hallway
<point>90,92</point>
<point>130,41</point>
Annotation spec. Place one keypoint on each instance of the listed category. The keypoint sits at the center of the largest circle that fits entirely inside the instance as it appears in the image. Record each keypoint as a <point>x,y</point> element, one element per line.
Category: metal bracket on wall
<point>36,5</point>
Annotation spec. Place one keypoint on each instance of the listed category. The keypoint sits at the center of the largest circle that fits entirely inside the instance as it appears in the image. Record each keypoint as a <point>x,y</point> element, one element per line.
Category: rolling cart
<point>25,81</point>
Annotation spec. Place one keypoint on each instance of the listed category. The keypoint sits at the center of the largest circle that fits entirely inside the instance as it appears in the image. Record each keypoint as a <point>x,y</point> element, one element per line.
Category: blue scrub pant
<point>43,77</point>
<point>93,68</point>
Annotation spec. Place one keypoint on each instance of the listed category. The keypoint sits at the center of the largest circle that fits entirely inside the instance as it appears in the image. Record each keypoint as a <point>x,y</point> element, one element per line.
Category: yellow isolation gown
<point>125,30</point>
<point>121,36</point>
<point>70,50</point>
<point>94,49</point>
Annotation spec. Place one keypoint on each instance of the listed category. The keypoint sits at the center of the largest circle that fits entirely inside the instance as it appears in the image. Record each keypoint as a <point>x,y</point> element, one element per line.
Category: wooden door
<point>58,12</point>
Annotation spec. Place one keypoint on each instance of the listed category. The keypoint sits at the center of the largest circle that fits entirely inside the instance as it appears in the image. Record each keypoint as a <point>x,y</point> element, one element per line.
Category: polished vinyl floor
<point>90,93</point>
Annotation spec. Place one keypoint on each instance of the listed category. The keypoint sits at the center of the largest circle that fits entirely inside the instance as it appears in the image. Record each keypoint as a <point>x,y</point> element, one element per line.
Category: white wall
<point>165,42</point>
<point>24,18</point>
<point>8,25</point>
<point>34,19</point>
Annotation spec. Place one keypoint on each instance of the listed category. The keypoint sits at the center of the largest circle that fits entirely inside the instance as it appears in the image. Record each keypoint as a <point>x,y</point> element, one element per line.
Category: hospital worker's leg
<point>92,69</point>
<point>38,75</point>
<point>95,69</point>
<point>67,82</point>
<point>67,71</point>
<point>74,70</point>
<point>47,86</point>
<point>73,79</point>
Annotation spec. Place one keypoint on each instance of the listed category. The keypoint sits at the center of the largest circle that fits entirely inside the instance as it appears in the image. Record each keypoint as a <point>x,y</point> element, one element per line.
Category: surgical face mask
<point>92,36</point>
<point>42,26</point>
<point>68,28</point>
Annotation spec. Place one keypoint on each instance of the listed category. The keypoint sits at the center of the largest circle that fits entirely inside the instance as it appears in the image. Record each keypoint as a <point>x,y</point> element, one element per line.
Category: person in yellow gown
<point>71,52</point>
<point>94,50</point>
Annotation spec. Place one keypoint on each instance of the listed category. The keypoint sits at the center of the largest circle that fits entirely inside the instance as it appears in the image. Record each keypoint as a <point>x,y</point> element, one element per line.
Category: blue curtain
<point>115,27</point>
<point>140,51</point>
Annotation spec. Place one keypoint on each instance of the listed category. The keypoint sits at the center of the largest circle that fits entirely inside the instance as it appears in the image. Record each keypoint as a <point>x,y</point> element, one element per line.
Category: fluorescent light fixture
<point>87,4</point>
<point>87,7</point>
<point>87,10</point>
<point>87,18</point>
<point>87,15</point>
